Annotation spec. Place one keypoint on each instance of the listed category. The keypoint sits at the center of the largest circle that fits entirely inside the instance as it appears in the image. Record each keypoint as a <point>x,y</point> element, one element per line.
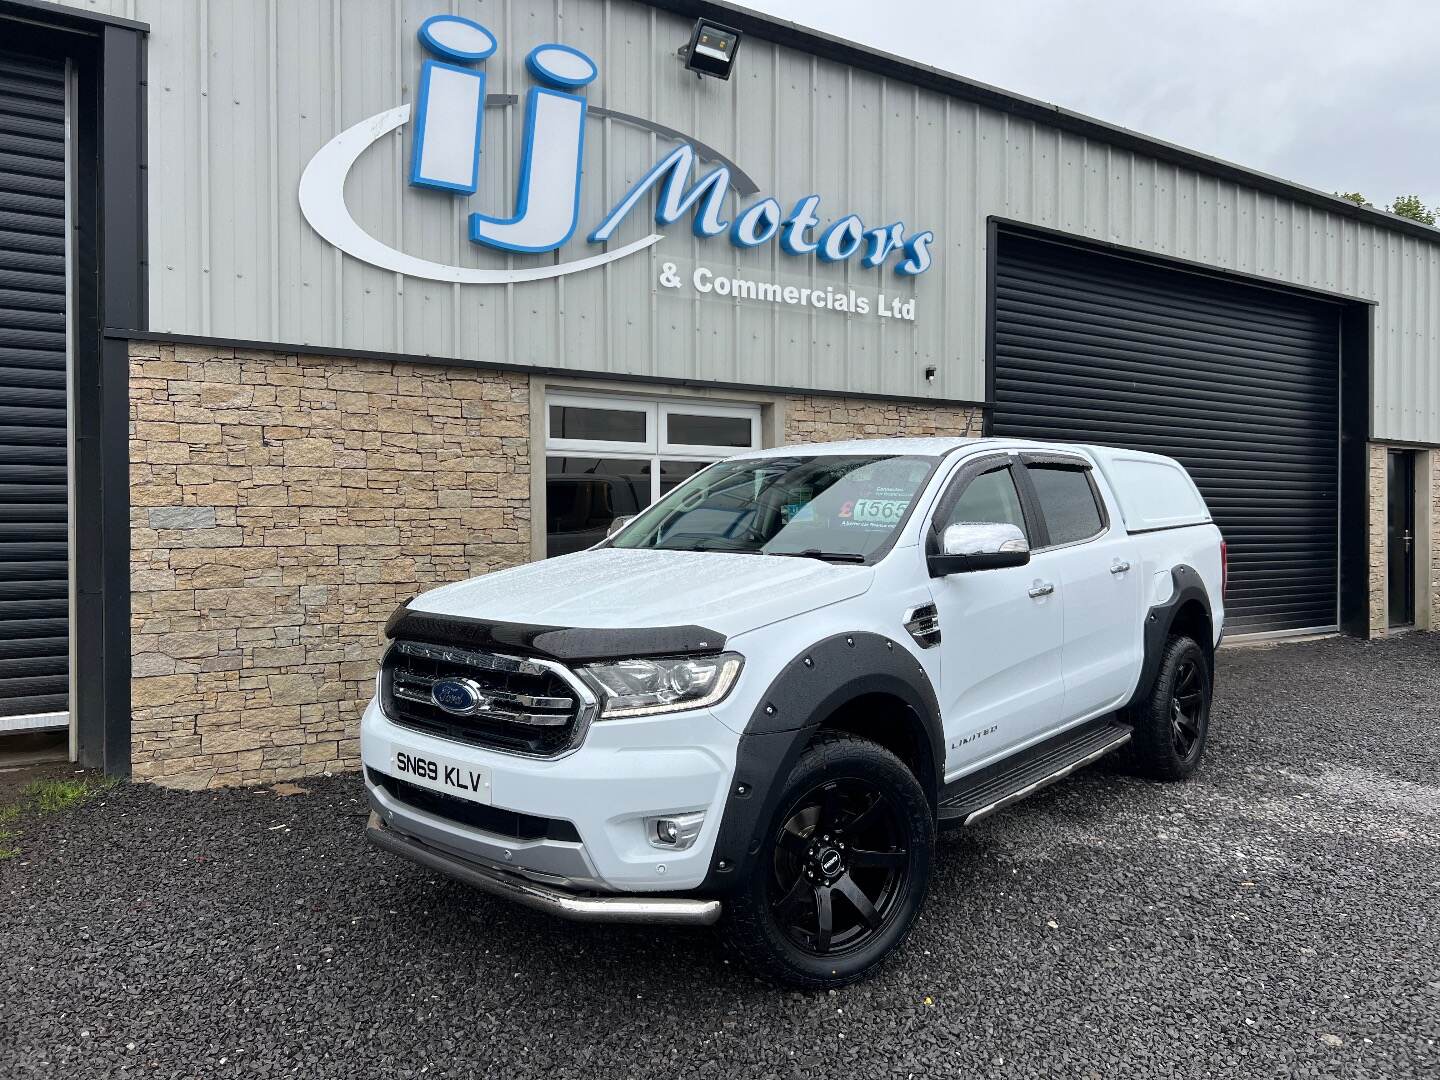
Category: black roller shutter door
<point>34,566</point>
<point>1238,382</point>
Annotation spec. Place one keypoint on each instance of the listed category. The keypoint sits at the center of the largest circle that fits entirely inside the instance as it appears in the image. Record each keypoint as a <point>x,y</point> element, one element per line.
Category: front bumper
<point>625,771</point>
<point>652,910</point>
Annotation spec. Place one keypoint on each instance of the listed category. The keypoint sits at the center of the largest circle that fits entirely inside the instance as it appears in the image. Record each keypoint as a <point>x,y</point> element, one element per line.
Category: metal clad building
<point>232,285</point>
<point>247,92</point>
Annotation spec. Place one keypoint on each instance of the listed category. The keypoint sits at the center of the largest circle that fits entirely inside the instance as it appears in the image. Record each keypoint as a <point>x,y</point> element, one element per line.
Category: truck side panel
<point>1195,546</point>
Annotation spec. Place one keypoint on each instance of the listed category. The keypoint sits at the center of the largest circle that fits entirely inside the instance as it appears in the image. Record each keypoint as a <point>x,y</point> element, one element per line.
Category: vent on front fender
<point>923,623</point>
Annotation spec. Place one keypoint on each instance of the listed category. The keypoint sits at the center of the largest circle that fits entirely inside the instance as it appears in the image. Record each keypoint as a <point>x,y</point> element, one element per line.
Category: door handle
<point>1119,566</point>
<point>1043,588</point>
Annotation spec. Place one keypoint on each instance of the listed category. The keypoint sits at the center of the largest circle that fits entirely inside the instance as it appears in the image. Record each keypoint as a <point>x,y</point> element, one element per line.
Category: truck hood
<point>611,587</point>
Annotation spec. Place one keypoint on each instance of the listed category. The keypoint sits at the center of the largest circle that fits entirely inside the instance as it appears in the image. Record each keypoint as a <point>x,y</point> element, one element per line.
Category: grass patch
<point>46,797</point>
<point>52,796</point>
<point>8,815</point>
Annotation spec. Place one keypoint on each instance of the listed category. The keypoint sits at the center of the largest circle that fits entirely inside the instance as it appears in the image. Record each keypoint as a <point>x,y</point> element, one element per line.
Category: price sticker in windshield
<point>879,511</point>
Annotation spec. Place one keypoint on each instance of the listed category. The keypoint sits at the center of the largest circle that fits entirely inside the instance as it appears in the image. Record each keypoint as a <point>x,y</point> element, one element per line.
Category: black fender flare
<point>811,687</point>
<point>1188,585</point>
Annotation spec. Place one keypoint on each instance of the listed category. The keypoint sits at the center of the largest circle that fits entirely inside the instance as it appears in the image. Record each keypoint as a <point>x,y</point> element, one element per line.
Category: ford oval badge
<point>462,697</point>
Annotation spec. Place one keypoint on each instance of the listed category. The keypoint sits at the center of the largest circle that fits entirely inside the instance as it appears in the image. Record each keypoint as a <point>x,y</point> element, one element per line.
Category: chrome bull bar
<point>650,910</point>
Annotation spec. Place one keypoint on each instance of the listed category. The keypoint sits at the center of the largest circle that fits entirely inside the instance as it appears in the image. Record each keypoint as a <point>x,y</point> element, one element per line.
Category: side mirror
<point>969,546</point>
<point>618,524</point>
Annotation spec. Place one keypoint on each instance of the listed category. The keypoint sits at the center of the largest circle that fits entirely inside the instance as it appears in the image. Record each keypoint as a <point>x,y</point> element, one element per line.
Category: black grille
<point>490,819</point>
<point>528,708</point>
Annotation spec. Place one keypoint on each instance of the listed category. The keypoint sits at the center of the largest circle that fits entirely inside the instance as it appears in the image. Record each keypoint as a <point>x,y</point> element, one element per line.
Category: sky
<point>1337,96</point>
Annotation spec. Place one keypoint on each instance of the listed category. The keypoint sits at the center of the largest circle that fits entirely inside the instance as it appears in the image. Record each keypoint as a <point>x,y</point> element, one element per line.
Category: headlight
<point>646,687</point>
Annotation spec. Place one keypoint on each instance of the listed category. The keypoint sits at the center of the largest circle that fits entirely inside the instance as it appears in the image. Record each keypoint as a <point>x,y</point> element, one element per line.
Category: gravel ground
<point>1279,915</point>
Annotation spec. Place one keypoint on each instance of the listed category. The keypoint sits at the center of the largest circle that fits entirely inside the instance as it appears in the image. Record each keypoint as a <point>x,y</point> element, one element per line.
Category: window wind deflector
<point>824,556</point>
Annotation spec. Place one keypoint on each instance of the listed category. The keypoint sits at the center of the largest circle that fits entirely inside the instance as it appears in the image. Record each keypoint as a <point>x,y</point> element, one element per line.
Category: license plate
<point>444,774</point>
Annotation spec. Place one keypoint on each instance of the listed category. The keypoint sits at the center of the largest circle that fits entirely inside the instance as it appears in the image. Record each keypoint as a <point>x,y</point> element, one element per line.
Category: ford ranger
<point>756,701</point>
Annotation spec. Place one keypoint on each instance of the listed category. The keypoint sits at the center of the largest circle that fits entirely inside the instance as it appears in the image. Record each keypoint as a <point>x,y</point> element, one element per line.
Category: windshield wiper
<point>824,556</point>
<point>709,545</point>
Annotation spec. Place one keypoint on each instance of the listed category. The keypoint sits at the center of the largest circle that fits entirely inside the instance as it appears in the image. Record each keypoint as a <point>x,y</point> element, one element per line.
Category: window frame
<point>1061,463</point>
<point>602,447</point>
<point>656,449</point>
<point>682,450</point>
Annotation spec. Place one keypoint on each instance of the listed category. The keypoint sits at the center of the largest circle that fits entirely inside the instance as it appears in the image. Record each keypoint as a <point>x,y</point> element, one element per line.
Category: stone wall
<point>282,506</point>
<point>811,418</point>
<point>1378,464</point>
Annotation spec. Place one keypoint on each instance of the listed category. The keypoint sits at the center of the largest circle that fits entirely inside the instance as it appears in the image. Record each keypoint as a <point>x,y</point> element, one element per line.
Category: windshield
<point>844,508</point>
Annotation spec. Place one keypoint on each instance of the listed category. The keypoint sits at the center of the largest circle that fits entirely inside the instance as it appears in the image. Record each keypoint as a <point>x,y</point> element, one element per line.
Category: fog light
<point>676,832</point>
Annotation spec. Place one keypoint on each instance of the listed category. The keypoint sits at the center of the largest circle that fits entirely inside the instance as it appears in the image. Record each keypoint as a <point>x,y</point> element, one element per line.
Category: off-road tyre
<point>826,836</point>
<point>1172,721</point>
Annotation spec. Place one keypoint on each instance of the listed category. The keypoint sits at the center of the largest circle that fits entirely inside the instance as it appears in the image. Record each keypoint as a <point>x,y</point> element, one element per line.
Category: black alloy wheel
<point>1172,719</point>
<point>1187,708</point>
<point>840,866</point>
<point>839,872</point>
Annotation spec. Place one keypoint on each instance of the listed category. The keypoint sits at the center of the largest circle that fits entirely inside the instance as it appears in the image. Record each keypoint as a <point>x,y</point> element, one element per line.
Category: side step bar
<point>979,797</point>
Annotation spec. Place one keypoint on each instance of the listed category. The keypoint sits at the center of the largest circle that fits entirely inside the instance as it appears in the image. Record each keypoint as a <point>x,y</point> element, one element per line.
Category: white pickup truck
<point>756,701</point>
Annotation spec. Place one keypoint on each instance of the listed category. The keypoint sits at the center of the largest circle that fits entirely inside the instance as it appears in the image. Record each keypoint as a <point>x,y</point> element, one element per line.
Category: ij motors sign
<point>448,128</point>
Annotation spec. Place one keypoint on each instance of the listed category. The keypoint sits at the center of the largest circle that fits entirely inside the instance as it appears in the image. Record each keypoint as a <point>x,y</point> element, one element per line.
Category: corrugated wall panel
<point>243,92</point>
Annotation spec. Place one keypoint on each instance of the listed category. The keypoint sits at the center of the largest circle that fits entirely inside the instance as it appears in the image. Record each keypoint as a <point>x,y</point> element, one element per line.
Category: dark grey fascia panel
<point>64,17</point>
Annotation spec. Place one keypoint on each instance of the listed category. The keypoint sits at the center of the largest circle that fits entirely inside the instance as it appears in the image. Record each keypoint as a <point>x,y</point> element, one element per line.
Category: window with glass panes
<point>612,457</point>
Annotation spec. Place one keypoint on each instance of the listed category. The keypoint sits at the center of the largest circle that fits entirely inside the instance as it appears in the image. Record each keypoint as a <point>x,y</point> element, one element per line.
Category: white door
<point>1001,632</point>
<point>1101,593</point>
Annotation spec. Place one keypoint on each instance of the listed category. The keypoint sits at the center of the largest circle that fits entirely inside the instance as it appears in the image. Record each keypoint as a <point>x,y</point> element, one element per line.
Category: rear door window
<point>1067,501</point>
